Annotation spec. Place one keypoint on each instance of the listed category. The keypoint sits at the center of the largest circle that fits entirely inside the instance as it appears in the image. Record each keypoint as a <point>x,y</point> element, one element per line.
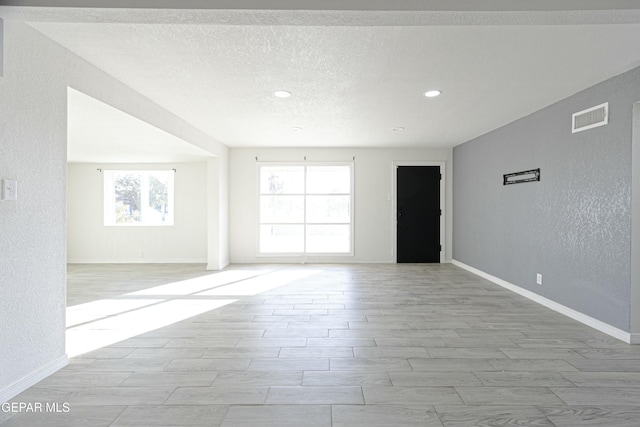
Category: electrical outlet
<point>539,279</point>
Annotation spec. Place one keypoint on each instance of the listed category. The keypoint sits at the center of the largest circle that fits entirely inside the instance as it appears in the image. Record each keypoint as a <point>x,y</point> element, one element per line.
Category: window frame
<point>109,197</point>
<point>304,253</point>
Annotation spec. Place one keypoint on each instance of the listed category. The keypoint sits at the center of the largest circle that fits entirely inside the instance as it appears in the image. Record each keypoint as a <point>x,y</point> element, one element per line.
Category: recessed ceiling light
<point>282,94</point>
<point>398,129</point>
<point>432,93</point>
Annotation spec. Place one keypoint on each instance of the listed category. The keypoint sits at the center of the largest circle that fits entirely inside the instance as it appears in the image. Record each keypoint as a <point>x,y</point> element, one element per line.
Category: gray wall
<point>573,226</point>
<point>635,225</point>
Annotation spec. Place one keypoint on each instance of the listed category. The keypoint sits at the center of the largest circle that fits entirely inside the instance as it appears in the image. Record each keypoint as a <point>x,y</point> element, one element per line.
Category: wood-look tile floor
<point>327,345</point>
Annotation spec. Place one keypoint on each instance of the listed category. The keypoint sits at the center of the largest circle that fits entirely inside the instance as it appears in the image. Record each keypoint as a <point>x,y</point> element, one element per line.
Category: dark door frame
<point>394,204</point>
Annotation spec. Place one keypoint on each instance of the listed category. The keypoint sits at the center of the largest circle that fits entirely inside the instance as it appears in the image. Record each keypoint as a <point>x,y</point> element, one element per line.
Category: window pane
<point>281,238</point>
<point>127,197</point>
<point>158,200</point>
<point>328,209</point>
<point>282,209</point>
<point>328,239</point>
<point>281,179</point>
<point>328,179</point>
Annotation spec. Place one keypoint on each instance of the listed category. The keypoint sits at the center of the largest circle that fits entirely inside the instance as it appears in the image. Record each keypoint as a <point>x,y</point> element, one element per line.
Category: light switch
<point>9,189</point>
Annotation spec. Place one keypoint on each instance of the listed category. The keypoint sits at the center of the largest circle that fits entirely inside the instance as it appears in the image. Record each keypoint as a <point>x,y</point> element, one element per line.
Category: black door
<point>418,213</point>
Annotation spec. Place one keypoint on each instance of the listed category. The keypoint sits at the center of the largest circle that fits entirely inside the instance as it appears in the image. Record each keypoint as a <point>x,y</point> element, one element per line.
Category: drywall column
<point>213,208</point>
<point>223,209</point>
<point>217,213</point>
<point>635,227</point>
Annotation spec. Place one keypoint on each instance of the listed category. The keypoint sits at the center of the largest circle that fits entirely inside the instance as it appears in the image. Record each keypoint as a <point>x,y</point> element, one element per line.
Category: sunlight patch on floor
<point>259,284</point>
<point>92,336</point>
<point>199,284</point>
<point>97,324</point>
<point>95,310</point>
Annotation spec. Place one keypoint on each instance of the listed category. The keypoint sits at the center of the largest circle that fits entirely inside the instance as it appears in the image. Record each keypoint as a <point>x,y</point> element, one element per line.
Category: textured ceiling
<point>354,75</point>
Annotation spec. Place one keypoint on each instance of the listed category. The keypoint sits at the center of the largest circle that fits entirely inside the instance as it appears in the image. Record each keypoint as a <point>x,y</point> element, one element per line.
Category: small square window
<point>138,198</point>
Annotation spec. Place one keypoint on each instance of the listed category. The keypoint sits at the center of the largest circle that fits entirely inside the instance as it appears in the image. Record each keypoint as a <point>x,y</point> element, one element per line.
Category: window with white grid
<point>305,208</point>
<point>138,197</point>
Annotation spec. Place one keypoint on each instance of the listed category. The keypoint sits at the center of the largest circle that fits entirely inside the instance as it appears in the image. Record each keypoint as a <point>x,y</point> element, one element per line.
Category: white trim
<point>394,201</point>
<point>569,312</point>
<point>33,378</point>
<point>138,261</point>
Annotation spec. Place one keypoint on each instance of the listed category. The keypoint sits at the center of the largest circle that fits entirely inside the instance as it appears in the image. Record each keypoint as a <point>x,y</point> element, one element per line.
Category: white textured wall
<point>374,224</point>
<point>89,240</point>
<point>33,242</point>
<point>32,229</point>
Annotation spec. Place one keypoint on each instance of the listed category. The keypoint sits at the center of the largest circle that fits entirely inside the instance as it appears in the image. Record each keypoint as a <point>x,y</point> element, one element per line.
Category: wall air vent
<point>590,118</point>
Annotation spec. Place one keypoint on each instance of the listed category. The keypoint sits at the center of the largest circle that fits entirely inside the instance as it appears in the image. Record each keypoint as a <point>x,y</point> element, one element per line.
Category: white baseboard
<point>318,260</point>
<point>33,378</point>
<point>569,312</point>
<point>138,261</point>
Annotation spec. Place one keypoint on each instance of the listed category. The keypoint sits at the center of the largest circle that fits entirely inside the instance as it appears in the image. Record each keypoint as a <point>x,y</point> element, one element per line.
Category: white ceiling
<point>354,74</point>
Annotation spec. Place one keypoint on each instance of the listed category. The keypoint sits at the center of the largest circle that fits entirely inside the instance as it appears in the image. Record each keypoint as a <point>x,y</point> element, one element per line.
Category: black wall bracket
<point>520,177</point>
